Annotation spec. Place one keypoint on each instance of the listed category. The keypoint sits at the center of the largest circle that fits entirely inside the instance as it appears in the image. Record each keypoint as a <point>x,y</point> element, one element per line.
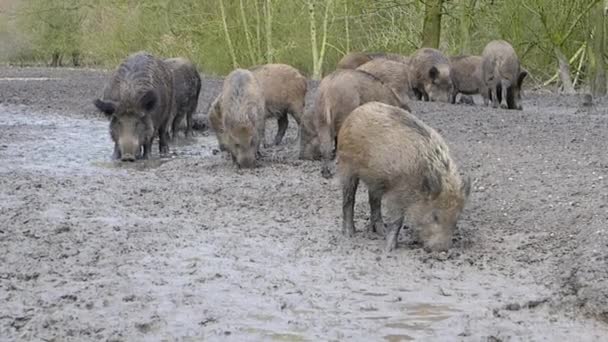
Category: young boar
<point>284,92</point>
<point>394,74</point>
<point>186,87</point>
<point>502,75</point>
<point>139,101</point>
<point>339,94</point>
<point>398,156</point>
<point>430,75</point>
<point>355,59</point>
<point>466,76</point>
<point>238,115</point>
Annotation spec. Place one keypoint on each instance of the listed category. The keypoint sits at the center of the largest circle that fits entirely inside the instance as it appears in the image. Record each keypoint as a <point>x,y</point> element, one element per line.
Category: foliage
<point>222,34</point>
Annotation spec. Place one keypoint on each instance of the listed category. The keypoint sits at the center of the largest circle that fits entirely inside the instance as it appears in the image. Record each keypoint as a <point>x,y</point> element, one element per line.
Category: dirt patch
<point>189,246</point>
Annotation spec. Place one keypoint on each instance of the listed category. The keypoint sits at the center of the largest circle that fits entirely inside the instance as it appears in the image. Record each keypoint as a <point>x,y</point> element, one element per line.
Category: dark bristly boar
<point>284,90</point>
<point>466,76</point>
<point>139,101</point>
<point>186,87</point>
<point>238,115</point>
<point>430,75</point>
<point>394,74</point>
<point>355,59</point>
<point>339,94</point>
<point>502,75</point>
<point>398,156</point>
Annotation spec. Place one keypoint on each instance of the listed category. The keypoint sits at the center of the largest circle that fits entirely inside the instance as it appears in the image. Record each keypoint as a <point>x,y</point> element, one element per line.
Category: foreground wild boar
<point>238,115</point>
<point>502,74</point>
<point>394,74</point>
<point>139,101</point>
<point>186,88</point>
<point>466,76</point>
<point>430,75</point>
<point>339,94</point>
<point>355,59</point>
<point>397,155</point>
<point>284,91</point>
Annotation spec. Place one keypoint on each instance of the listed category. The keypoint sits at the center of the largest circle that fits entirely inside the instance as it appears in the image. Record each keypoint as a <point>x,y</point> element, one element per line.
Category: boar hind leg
<point>350,182</point>
<point>392,235</point>
<point>163,141</point>
<point>283,123</point>
<point>376,225</point>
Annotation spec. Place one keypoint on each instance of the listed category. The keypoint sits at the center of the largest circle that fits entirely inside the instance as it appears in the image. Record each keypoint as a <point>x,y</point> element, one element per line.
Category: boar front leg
<point>283,123</point>
<point>163,141</point>
<point>116,155</point>
<point>392,235</point>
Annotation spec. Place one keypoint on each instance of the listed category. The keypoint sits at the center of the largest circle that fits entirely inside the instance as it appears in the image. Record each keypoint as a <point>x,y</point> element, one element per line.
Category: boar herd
<point>360,116</point>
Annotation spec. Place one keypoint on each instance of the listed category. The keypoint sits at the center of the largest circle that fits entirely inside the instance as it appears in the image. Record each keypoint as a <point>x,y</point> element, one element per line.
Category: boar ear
<point>433,73</point>
<point>466,186</point>
<point>107,107</point>
<point>432,184</point>
<point>148,101</point>
<point>521,77</point>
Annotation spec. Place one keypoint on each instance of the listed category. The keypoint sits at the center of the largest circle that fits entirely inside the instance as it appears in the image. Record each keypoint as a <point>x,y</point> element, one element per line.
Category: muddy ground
<point>190,248</point>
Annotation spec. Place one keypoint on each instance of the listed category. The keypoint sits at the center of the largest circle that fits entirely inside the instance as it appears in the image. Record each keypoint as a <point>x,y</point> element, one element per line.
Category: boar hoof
<point>504,106</point>
<point>326,172</point>
<point>377,227</point>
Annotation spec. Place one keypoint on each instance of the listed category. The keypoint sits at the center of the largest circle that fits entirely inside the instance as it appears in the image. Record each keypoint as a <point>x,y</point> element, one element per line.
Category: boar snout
<point>438,244</point>
<point>129,149</point>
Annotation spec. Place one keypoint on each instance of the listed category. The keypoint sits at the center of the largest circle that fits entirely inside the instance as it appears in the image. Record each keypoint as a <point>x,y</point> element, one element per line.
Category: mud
<point>190,248</point>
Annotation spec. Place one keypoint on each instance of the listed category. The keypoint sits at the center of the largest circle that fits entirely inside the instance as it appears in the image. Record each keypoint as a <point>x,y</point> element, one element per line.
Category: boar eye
<point>435,216</point>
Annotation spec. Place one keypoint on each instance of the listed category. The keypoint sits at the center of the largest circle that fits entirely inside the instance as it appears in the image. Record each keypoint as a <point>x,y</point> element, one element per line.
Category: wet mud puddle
<point>62,145</point>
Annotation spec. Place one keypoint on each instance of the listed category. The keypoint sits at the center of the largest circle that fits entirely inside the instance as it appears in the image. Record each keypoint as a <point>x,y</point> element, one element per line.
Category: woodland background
<point>561,42</point>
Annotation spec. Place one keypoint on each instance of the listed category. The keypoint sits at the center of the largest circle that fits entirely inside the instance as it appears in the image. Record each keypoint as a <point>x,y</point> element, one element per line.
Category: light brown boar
<point>398,156</point>
<point>238,115</point>
<point>284,92</point>
<point>430,75</point>
<point>139,101</point>
<point>466,76</point>
<point>502,75</point>
<point>339,94</point>
<point>355,59</point>
<point>187,87</point>
<point>394,74</point>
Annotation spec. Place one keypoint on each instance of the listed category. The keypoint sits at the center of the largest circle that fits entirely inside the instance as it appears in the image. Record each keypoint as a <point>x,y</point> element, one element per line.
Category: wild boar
<point>139,101</point>
<point>430,75</point>
<point>355,59</point>
<point>238,117</point>
<point>186,88</point>
<point>284,92</point>
<point>502,75</point>
<point>394,74</point>
<point>398,156</point>
<point>339,93</point>
<point>466,76</point>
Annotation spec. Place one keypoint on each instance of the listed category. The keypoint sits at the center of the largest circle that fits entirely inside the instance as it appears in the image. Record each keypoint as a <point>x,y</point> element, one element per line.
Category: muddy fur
<point>187,87</point>
<point>394,74</point>
<point>139,101</point>
<point>238,117</point>
<point>284,91</point>
<point>502,75</point>
<point>430,75</point>
<point>395,153</point>
<point>355,59</point>
<point>339,94</point>
<point>466,76</point>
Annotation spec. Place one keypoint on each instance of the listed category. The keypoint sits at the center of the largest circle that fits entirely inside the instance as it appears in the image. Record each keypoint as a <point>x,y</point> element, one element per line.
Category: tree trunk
<point>268,15</point>
<point>597,46</point>
<point>467,8</point>
<point>227,33</point>
<point>564,71</point>
<point>431,28</point>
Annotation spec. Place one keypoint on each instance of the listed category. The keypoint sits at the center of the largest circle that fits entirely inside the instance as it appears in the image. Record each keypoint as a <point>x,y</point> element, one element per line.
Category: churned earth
<point>190,248</point>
